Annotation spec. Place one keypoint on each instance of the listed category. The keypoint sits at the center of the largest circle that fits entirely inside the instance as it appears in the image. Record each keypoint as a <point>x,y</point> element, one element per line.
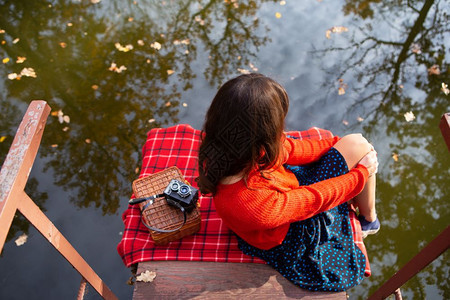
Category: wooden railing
<point>13,178</point>
<point>428,254</point>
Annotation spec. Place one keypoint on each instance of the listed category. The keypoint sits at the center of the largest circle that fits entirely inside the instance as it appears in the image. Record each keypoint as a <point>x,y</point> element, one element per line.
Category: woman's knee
<point>353,147</point>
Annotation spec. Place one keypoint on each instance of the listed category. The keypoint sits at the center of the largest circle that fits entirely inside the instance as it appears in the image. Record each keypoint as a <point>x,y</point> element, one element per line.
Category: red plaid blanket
<point>178,146</point>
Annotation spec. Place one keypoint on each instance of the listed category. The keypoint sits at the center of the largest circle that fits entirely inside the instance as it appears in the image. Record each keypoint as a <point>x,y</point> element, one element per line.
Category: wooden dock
<point>211,280</point>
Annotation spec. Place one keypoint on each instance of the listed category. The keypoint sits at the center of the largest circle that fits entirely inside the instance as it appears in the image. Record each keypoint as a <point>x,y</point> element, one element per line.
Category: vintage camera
<point>178,193</point>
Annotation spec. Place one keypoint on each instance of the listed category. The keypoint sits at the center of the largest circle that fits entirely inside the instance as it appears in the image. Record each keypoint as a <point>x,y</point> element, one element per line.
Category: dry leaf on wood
<point>147,276</point>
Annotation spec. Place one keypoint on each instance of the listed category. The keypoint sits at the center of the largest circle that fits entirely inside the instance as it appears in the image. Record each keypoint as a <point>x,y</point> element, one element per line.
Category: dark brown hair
<point>242,130</point>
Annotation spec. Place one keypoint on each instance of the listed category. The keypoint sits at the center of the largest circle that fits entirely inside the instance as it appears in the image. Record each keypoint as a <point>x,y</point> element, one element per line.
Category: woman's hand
<point>370,161</point>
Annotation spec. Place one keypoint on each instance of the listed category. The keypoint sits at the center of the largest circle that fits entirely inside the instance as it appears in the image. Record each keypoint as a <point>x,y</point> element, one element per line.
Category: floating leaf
<point>147,276</point>
<point>5,60</point>
<point>54,113</point>
<point>395,157</point>
<point>65,129</point>
<point>445,89</point>
<point>13,76</point>
<point>254,69</point>
<point>29,72</point>
<point>20,59</point>
<point>94,87</point>
<point>2,31</point>
<point>54,145</point>
<point>140,43</point>
<point>199,20</point>
<point>88,141</point>
<point>130,19</point>
<point>342,87</point>
<point>185,104</point>
<point>122,48</point>
<point>345,122</point>
<point>2,139</point>
<point>95,1</point>
<point>69,24</point>
<point>21,240</point>
<point>335,29</point>
<point>170,72</point>
<point>116,69</point>
<point>151,120</point>
<point>155,45</point>
<point>282,2</point>
<point>359,119</point>
<point>434,70</point>
<point>16,41</point>
<point>136,170</point>
<point>409,116</point>
<point>168,104</point>
<point>243,71</point>
<point>63,45</point>
<point>415,48</point>
<point>277,15</point>
<point>66,119</point>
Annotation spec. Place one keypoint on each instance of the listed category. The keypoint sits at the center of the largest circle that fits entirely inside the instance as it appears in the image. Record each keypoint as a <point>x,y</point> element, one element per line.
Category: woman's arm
<point>299,152</point>
<point>270,208</point>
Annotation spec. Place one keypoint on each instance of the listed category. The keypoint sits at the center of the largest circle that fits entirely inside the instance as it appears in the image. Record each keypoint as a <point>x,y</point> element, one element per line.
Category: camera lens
<point>175,186</point>
<point>184,190</point>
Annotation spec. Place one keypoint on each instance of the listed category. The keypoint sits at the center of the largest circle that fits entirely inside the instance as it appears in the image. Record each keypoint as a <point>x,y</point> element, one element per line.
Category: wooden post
<point>13,178</point>
<point>444,125</point>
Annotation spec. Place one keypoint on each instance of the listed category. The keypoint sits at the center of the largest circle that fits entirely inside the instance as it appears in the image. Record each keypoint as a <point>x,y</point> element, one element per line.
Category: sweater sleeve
<point>299,152</point>
<point>272,208</point>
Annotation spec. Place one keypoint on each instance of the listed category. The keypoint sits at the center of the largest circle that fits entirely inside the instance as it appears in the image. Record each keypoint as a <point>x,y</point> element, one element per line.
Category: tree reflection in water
<point>72,45</point>
<point>388,74</point>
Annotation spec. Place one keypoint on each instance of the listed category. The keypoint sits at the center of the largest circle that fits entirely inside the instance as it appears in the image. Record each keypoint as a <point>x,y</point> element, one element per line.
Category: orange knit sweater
<point>261,211</point>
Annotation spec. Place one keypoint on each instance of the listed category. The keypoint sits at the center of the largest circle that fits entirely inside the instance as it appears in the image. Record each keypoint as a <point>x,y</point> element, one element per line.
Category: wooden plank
<point>211,280</point>
<point>17,166</point>
<point>39,220</point>
<point>426,256</point>
<point>444,125</point>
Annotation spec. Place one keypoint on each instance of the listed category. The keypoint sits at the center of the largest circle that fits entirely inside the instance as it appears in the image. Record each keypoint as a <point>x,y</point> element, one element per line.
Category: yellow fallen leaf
<point>445,89</point>
<point>254,69</point>
<point>21,240</point>
<point>168,104</point>
<point>13,76</point>
<point>151,120</point>
<point>65,129</point>
<point>88,141</point>
<point>147,276</point>
<point>136,170</point>
<point>123,48</point>
<point>63,45</point>
<point>148,61</point>
<point>3,42</point>
<point>185,104</point>
<point>29,72</point>
<point>95,1</point>
<point>415,48</point>
<point>243,71</point>
<point>2,31</point>
<point>335,29</point>
<point>16,41</point>
<point>277,15</point>
<point>170,72</point>
<point>116,69</point>
<point>341,91</point>
<point>395,157</point>
<point>5,60</point>
<point>282,2</point>
<point>155,45</point>
<point>20,59</point>
<point>359,119</point>
<point>69,24</point>
<point>94,87</point>
<point>130,19</point>
<point>409,116</point>
<point>54,145</point>
<point>345,122</point>
<point>54,113</point>
<point>140,43</point>
<point>66,119</point>
<point>2,139</point>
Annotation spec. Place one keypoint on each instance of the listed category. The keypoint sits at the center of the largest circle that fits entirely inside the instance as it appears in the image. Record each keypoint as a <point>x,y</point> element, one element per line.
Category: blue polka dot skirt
<point>318,253</point>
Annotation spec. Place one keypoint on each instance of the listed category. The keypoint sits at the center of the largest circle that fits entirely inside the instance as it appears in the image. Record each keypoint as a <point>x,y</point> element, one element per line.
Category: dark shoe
<point>368,227</point>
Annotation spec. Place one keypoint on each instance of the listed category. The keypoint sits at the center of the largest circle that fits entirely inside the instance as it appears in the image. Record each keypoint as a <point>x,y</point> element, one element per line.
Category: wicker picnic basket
<point>161,215</point>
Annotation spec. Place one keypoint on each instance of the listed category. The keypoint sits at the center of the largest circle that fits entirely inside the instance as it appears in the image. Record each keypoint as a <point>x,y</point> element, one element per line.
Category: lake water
<point>115,69</point>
